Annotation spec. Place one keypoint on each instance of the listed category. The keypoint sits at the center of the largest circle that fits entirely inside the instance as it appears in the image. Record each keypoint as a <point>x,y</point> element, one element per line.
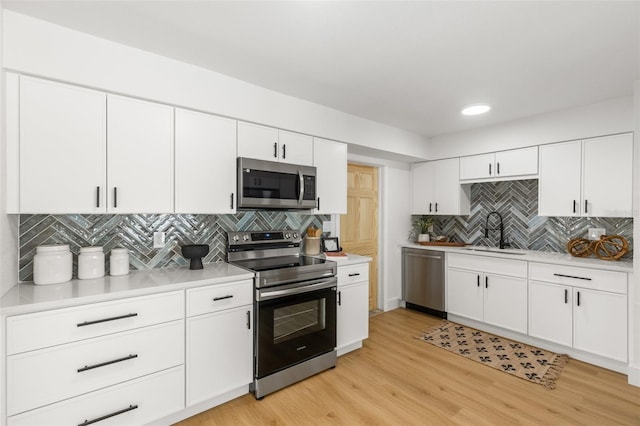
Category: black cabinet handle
<point>429,207</point>
<point>486,282</point>
<point>318,203</point>
<point>115,196</point>
<point>339,298</point>
<point>97,196</point>
<point>578,298</point>
<point>284,151</point>
<point>574,206</point>
<point>478,276</point>
<point>102,364</point>
<point>585,206</point>
<point>115,413</point>
<point>354,274</point>
<point>228,296</point>
<point>275,150</point>
<point>572,276</point>
<point>232,201</point>
<point>489,169</point>
<point>249,320</point>
<point>82,324</point>
<point>566,296</point>
<point>497,168</point>
<point>436,207</point>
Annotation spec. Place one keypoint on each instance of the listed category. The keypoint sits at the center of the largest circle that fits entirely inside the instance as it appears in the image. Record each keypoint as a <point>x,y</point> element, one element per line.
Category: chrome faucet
<point>502,243</point>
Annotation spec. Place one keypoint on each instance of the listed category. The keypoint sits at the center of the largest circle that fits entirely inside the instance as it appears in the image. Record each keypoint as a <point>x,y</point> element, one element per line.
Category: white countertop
<point>28,297</point>
<point>350,259</point>
<point>536,256</point>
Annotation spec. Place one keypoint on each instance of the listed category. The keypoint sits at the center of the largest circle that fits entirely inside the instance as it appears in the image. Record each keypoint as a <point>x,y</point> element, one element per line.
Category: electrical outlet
<point>158,239</point>
<point>596,233</point>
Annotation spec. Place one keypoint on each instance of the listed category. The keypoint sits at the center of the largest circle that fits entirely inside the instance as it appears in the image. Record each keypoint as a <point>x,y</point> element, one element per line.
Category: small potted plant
<point>421,225</point>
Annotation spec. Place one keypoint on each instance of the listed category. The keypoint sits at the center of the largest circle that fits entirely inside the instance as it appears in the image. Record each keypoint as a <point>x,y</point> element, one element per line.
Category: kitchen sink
<point>495,250</point>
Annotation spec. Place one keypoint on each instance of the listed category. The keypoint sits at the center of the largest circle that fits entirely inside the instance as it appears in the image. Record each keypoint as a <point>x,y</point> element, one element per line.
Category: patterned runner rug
<point>524,361</point>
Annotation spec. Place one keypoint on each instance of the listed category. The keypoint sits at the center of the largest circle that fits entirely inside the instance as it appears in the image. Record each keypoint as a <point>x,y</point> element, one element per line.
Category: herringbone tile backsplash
<point>517,202</point>
<point>135,232</point>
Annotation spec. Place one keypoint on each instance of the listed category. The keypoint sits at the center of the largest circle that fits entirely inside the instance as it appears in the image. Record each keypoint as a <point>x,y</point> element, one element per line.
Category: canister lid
<point>119,250</point>
<point>93,249</point>
<point>52,248</point>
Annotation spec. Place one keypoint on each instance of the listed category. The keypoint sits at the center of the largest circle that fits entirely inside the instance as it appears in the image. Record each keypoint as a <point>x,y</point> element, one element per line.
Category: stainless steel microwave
<point>270,185</point>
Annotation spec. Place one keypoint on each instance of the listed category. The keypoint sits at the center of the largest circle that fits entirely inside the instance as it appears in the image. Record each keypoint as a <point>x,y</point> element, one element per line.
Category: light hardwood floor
<point>398,380</point>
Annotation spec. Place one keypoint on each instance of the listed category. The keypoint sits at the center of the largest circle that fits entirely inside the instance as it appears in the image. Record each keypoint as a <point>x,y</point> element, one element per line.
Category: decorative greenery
<point>420,225</point>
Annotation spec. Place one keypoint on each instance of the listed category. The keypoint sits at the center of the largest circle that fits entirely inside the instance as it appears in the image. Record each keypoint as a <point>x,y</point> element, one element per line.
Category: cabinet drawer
<point>154,396</point>
<point>43,329</point>
<point>353,274</point>
<point>493,265</point>
<point>49,375</point>
<point>596,279</point>
<point>218,297</point>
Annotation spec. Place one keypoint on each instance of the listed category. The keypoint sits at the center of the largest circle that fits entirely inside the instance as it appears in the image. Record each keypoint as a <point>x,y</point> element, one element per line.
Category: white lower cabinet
<point>353,307</point>
<point>219,355</point>
<point>581,308</point>
<point>488,289</point>
<point>135,402</point>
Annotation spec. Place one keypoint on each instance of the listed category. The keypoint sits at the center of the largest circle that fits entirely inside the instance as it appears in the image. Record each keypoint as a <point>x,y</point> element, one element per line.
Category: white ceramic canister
<point>90,263</point>
<point>119,261</point>
<point>52,264</point>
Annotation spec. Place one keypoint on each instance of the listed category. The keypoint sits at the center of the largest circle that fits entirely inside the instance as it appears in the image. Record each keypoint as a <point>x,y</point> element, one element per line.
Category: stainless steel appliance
<point>294,305</point>
<point>423,280</point>
<point>271,185</point>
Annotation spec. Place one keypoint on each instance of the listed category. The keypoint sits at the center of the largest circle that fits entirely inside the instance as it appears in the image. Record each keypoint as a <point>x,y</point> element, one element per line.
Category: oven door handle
<point>301,190</point>
<point>306,288</point>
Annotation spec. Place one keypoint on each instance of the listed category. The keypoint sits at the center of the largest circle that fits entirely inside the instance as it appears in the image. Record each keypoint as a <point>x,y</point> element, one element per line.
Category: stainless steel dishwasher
<point>423,280</point>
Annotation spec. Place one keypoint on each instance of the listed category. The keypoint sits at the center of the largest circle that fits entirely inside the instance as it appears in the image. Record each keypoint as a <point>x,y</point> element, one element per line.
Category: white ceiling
<point>412,65</point>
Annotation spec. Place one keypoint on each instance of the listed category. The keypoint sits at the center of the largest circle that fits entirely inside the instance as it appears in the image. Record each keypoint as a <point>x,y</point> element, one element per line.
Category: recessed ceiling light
<point>475,109</point>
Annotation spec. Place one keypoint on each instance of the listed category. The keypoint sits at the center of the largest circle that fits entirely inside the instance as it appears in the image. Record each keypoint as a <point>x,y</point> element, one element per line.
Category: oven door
<point>294,323</point>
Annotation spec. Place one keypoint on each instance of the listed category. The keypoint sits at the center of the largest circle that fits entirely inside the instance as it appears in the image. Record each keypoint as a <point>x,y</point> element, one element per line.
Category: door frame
<point>380,305</point>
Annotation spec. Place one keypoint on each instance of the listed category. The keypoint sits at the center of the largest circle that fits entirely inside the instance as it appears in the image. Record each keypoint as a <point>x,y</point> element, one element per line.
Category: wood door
<point>359,227</point>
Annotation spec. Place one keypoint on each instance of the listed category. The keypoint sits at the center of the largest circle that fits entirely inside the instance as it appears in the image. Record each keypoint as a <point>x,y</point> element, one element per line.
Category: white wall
<point>603,118</point>
<point>395,221</point>
<point>40,48</point>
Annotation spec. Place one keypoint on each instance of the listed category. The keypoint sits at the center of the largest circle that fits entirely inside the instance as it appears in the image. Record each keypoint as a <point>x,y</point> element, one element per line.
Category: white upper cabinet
<point>592,177</point>
<point>62,148</point>
<point>205,163</point>
<point>502,165</point>
<point>140,156</point>
<point>271,144</point>
<point>436,188</point>
<point>330,160</point>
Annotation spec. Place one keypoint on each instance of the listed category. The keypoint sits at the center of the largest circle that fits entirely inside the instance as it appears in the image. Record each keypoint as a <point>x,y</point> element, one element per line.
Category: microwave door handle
<point>301,190</point>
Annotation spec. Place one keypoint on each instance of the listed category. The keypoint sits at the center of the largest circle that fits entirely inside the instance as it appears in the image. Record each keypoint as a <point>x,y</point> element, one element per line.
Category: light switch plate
<point>158,239</point>
<point>596,233</point>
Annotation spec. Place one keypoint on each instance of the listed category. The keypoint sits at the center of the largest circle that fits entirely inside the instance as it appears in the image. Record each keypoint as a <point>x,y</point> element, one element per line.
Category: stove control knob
<point>287,235</point>
<point>236,238</point>
<point>245,238</point>
<point>295,235</point>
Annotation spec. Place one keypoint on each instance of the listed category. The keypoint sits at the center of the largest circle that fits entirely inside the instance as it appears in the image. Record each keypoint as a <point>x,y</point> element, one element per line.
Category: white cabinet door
<point>465,293</point>
<point>422,197</point>
<point>517,162</point>
<point>330,160</point>
<point>477,166</point>
<point>600,323</point>
<point>62,148</point>
<point>353,314</point>
<point>505,302</point>
<point>205,163</point>
<point>139,156</point>
<point>295,148</point>
<point>559,180</point>
<point>551,312</point>
<point>256,141</point>
<point>448,195</point>
<point>219,354</point>
<point>607,176</point>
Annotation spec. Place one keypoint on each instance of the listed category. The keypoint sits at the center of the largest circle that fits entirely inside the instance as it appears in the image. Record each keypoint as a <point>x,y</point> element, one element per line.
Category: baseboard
<point>633,375</point>
<point>351,347</point>
<point>392,304</point>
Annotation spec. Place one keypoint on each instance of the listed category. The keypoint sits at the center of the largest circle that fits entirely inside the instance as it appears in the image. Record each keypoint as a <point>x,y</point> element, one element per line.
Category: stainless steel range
<point>295,307</point>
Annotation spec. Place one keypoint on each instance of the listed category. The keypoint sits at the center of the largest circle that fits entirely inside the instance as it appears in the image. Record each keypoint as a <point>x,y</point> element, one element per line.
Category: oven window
<point>293,321</point>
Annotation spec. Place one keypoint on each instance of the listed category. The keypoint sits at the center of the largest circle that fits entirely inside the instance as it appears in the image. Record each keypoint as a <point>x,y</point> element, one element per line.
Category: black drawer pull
<point>578,294</point>
<point>82,324</point>
<point>115,413</point>
<point>228,296</point>
<point>102,364</point>
<point>97,196</point>
<point>566,296</point>
<point>571,276</point>
<point>355,274</point>
<point>339,298</point>
<point>478,280</point>
<point>249,320</point>
<point>232,201</point>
